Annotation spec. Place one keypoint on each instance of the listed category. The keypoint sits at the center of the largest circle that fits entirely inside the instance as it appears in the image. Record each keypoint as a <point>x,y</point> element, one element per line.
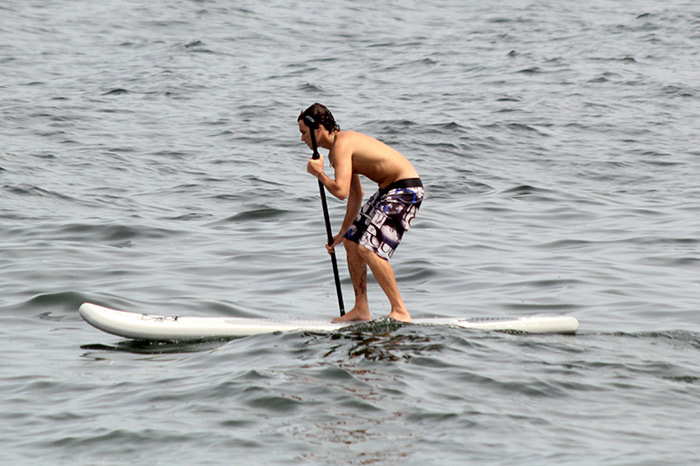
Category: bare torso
<point>372,158</point>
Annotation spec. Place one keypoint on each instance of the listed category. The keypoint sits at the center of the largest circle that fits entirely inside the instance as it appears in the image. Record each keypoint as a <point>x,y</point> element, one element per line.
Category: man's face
<point>305,134</point>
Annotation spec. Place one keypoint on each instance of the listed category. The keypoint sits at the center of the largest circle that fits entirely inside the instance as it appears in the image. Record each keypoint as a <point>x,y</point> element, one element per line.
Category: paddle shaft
<point>329,232</point>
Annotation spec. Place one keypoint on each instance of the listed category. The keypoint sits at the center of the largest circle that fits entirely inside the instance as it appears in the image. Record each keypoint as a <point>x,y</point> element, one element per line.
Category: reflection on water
<point>157,347</point>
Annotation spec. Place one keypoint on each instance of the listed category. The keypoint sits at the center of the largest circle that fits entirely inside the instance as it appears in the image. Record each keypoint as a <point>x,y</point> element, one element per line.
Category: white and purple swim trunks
<point>382,221</point>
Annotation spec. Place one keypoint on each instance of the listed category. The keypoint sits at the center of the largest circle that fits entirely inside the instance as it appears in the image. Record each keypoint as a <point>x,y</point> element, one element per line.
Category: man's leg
<point>384,274</point>
<point>358,275</point>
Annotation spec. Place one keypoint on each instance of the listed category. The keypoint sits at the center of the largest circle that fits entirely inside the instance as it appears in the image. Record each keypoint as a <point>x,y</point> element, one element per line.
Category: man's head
<point>320,115</point>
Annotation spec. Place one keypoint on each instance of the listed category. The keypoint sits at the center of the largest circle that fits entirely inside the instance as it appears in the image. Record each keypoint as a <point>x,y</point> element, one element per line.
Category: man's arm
<point>353,208</point>
<point>342,164</point>
<point>354,203</point>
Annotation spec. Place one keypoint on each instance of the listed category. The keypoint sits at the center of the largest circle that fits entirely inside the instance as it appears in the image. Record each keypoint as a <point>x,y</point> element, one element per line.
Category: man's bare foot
<point>401,316</point>
<point>356,315</point>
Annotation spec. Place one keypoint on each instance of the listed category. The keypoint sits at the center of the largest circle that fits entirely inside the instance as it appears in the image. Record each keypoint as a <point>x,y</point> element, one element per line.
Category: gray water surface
<point>150,160</point>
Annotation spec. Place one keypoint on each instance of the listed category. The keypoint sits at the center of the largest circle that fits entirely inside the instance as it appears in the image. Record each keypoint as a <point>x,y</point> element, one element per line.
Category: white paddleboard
<point>152,327</point>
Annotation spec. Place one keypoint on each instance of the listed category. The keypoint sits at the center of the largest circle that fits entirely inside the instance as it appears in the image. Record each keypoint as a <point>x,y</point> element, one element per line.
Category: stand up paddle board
<point>153,327</point>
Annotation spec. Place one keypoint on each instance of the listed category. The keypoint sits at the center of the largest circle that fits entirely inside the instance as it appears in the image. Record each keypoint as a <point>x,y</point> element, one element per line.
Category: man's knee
<point>365,253</point>
<point>355,249</point>
<point>351,248</point>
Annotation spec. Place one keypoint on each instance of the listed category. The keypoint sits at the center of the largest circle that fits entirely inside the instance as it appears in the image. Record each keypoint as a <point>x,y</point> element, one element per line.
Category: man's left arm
<point>353,208</point>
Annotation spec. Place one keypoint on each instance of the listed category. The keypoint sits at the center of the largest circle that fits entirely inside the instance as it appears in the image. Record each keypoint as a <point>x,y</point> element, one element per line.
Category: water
<point>151,161</point>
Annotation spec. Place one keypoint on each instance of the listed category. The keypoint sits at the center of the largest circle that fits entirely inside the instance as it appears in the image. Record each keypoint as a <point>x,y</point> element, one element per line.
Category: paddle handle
<point>329,231</point>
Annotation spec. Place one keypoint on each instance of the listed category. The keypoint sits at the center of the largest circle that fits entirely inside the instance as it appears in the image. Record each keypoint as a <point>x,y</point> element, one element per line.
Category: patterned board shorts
<point>387,215</point>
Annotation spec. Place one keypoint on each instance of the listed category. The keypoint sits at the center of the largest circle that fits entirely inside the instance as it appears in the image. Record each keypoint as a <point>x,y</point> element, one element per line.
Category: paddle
<point>311,123</point>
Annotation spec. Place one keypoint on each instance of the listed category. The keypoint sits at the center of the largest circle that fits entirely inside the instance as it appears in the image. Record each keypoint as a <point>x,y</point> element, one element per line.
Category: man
<point>369,233</point>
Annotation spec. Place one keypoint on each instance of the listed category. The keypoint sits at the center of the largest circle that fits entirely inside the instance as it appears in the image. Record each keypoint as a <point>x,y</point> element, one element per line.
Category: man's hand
<point>337,239</point>
<point>315,166</point>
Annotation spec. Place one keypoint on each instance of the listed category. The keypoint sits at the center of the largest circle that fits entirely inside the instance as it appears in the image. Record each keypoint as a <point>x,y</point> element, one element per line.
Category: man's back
<point>372,158</point>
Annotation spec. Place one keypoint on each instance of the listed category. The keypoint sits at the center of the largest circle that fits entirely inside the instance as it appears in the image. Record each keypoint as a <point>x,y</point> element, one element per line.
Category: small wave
<point>683,378</point>
<point>264,213</point>
<point>530,191</point>
<point>48,304</point>
<point>110,234</point>
<point>313,89</point>
<point>681,337</point>
<point>625,59</point>
<point>117,91</point>
<point>531,70</point>
<point>31,190</point>
<point>680,91</point>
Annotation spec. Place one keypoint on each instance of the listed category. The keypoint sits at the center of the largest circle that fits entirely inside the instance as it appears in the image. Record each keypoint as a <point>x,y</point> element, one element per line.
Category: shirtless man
<point>369,233</point>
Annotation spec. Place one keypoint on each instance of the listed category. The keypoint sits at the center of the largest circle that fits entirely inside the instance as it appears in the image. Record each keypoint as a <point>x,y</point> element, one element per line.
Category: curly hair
<point>320,115</point>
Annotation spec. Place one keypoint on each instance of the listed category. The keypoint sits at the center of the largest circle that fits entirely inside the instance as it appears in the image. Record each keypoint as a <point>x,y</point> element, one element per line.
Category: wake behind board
<point>153,327</point>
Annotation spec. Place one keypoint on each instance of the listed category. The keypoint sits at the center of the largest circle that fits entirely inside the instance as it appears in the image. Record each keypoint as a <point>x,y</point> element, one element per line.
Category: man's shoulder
<point>346,135</point>
<point>352,138</point>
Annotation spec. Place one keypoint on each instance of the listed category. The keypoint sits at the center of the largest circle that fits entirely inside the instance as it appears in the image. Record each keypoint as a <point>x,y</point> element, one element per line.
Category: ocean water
<point>150,160</point>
